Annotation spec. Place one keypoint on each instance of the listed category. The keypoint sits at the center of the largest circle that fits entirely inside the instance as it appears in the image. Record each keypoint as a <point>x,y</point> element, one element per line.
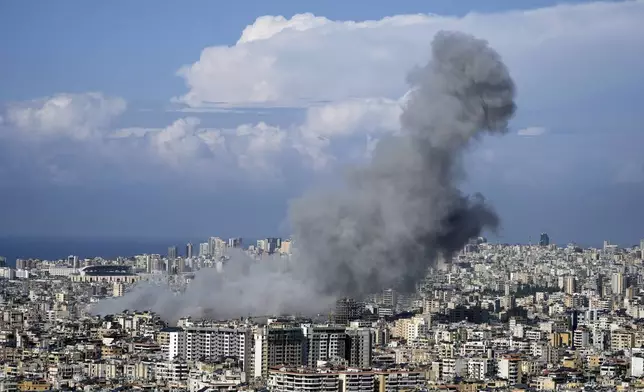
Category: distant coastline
<point>50,248</point>
<point>53,248</point>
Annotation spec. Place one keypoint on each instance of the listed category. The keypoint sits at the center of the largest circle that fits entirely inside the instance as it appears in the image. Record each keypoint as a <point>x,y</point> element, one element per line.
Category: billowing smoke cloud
<point>398,214</point>
<point>391,219</point>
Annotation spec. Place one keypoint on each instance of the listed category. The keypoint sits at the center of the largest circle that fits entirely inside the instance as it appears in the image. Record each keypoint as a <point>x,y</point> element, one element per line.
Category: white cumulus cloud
<point>77,116</point>
<point>267,26</point>
<point>258,147</point>
<point>186,144</point>
<point>179,141</point>
<point>344,118</point>
<point>255,146</point>
<point>307,58</point>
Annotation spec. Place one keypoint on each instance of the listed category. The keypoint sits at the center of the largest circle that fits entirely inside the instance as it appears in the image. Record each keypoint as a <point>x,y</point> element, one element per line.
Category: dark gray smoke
<point>392,218</point>
<point>396,215</point>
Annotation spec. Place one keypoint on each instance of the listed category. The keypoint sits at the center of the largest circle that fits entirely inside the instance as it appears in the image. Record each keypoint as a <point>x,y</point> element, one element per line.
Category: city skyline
<point>13,248</point>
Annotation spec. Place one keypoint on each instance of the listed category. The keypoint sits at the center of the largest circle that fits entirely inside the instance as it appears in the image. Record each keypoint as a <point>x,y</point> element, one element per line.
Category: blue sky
<point>148,154</point>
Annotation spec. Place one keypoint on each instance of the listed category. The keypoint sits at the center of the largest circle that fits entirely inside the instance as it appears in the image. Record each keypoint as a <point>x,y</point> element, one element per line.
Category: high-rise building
<point>189,250</point>
<point>21,264</point>
<point>204,249</point>
<point>581,338</point>
<point>389,298</point>
<point>285,247</point>
<point>235,242</point>
<point>570,285</point>
<point>169,266</point>
<point>346,309</point>
<point>618,283</point>
<point>544,240</point>
<point>359,347</point>
<point>73,262</point>
<point>261,246</point>
<point>412,328</point>
<point>181,266</point>
<point>642,249</point>
<point>172,252</point>
<point>325,343</point>
<point>509,368</point>
<point>117,289</point>
<point>149,265</point>
<point>479,368</point>
<point>211,245</point>
<point>216,246</point>
<point>609,248</point>
<point>212,342</point>
<point>599,284</point>
<point>573,320</point>
<point>278,345</point>
<point>156,262</point>
<point>173,342</point>
<point>272,244</point>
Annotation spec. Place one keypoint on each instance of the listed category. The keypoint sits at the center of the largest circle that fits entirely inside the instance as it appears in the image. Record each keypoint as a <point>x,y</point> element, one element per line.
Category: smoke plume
<point>391,219</point>
<point>396,215</point>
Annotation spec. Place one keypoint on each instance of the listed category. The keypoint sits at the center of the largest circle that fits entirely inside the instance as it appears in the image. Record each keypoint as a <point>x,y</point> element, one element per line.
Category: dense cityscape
<point>503,317</point>
<point>385,141</point>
